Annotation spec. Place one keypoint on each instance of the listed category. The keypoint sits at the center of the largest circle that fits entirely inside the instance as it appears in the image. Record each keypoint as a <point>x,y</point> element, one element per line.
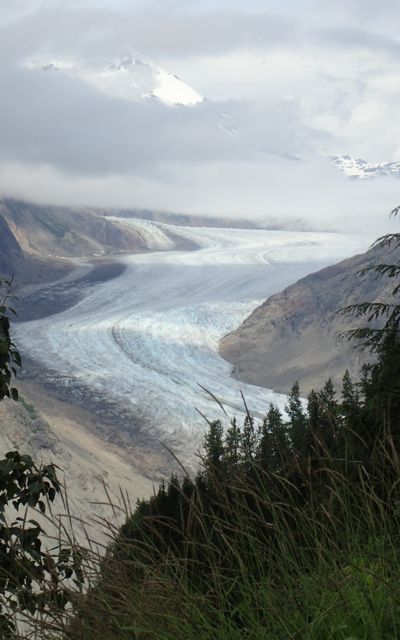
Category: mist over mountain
<point>234,114</point>
<point>127,76</point>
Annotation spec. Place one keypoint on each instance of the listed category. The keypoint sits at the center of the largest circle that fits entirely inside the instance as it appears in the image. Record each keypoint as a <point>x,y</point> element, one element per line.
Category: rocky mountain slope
<point>293,334</point>
<point>36,241</point>
<point>52,431</point>
<point>11,254</point>
<point>63,231</point>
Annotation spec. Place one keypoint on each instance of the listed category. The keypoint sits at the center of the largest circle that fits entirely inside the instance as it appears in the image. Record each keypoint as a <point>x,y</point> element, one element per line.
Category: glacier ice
<point>150,336</point>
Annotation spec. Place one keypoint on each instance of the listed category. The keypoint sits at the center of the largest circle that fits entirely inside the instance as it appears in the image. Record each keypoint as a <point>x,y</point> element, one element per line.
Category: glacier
<point>149,338</point>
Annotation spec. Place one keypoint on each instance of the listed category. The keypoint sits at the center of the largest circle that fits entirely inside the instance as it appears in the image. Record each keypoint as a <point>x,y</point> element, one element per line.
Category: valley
<point>140,350</point>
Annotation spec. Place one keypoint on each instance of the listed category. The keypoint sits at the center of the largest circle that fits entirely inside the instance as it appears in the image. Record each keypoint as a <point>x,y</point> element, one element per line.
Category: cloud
<point>49,118</point>
<point>285,86</point>
<point>158,29</point>
<point>313,191</point>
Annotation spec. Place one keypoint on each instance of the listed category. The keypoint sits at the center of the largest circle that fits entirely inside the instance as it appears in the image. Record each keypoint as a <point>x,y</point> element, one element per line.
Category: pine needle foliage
<point>385,315</point>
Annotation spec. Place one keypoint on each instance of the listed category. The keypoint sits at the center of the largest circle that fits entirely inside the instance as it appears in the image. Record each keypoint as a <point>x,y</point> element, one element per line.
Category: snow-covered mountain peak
<point>360,169</point>
<point>171,90</point>
<point>127,77</point>
<point>132,75</point>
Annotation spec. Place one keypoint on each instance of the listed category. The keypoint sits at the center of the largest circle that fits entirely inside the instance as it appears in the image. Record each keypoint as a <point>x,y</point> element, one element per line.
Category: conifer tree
<point>314,412</point>
<point>381,384</point>
<point>350,396</point>
<point>298,423</point>
<point>381,338</point>
<point>350,407</point>
<point>279,433</point>
<point>329,410</point>
<point>214,448</point>
<point>383,318</point>
<point>232,447</point>
<point>265,450</point>
<point>274,447</point>
<point>248,442</point>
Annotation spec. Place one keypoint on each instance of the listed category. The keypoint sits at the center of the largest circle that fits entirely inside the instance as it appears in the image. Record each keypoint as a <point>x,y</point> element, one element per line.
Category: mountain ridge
<point>40,243</point>
<point>128,76</point>
<point>293,334</point>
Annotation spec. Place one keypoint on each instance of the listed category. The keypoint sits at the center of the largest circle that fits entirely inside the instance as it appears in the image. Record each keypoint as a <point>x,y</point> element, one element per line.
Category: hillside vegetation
<point>289,530</point>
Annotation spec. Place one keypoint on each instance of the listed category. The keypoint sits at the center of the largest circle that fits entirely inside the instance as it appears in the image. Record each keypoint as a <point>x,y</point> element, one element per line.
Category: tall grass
<point>311,557</point>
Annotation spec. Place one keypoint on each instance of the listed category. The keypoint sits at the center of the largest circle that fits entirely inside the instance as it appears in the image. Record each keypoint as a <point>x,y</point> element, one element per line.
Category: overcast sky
<point>285,85</point>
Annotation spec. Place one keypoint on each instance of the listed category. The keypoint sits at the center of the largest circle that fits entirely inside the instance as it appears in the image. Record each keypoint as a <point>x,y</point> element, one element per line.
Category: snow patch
<point>155,236</point>
<point>128,77</point>
<point>361,169</point>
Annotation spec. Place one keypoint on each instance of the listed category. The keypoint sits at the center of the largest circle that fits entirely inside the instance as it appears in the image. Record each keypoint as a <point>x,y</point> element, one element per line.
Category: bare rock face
<point>63,231</point>
<point>89,468</point>
<point>11,255</point>
<point>37,242</point>
<point>294,334</point>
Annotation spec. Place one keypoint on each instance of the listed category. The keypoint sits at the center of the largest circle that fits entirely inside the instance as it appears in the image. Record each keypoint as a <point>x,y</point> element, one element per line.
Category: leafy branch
<point>10,358</point>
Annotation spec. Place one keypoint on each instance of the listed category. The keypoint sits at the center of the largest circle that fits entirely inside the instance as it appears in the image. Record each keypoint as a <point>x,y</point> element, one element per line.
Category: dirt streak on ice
<point>151,335</point>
